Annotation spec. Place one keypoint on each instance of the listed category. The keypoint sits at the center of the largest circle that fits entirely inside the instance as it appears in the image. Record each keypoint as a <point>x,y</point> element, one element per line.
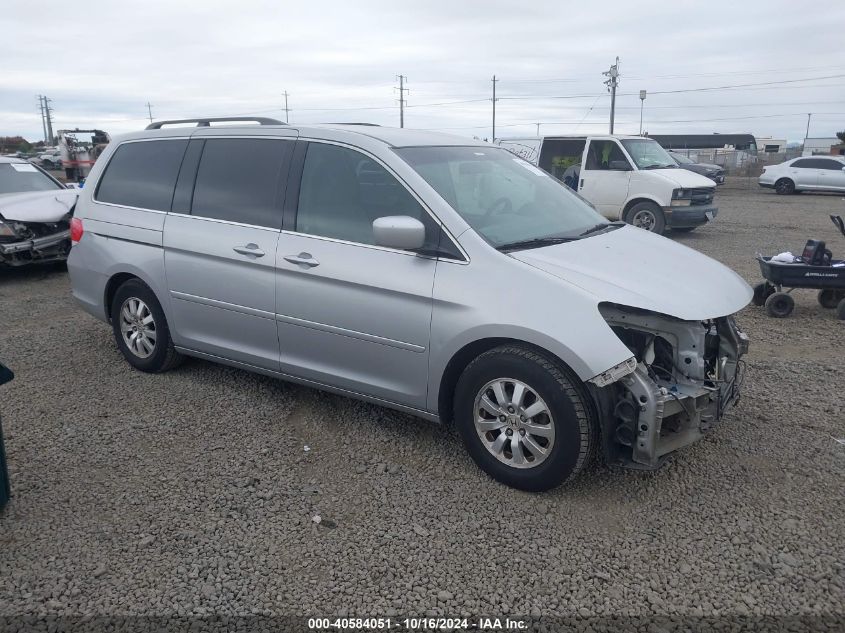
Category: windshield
<point>504,198</point>
<point>648,154</point>
<point>20,177</point>
<point>681,159</point>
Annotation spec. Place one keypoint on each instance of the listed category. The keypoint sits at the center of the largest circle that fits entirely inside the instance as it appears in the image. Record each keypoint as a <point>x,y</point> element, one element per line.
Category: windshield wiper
<point>601,227</point>
<point>658,166</point>
<point>536,242</point>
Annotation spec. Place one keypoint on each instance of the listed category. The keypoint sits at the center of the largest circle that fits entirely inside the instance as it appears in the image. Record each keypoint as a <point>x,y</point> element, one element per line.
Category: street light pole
<point>642,103</point>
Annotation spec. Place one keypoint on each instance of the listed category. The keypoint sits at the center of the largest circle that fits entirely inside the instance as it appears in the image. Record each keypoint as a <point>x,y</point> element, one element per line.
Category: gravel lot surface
<point>195,492</point>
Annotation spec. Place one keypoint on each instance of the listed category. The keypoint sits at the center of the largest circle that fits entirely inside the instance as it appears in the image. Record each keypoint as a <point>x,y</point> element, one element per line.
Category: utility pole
<point>612,81</point>
<point>150,111</point>
<point>402,90</point>
<point>493,140</point>
<point>538,129</point>
<point>286,107</point>
<point>48,111</point>
<point>807,135</point>
<point>43,118</point>
<point>642,103</point>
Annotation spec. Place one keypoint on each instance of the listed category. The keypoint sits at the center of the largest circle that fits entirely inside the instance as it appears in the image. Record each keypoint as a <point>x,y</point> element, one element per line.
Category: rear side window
<point>804,163</point>
<point>238,180</point>
<point>558,155</point>
<point>142,174</point>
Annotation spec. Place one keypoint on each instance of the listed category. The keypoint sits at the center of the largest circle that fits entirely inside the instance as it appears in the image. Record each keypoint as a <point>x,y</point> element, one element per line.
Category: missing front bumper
<point>40,249</point>
<point>677,393</point>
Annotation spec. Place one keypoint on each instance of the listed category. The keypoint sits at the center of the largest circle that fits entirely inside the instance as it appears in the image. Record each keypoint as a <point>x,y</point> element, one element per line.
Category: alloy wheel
<point>138,327</point>
<point>514,423</point>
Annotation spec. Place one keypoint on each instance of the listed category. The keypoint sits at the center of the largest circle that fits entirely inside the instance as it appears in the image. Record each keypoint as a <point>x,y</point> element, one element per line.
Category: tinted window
<point>343,191</point>
<point>142,174</point>
<point>804,163</point>
<point>602,153</point>
<point>238,180</point>
<point>558,155</point>
<point>16,177</point>
<point>827,163</point>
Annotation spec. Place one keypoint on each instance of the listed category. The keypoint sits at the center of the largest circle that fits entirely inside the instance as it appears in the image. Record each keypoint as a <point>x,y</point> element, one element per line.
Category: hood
<point>681,178</point>
<point>636,268</point>
<point>38,206</point>
<point>710,166</point>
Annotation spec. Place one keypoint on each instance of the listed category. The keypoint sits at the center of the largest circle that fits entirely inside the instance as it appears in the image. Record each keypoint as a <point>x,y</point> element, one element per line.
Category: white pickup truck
<point>628,178</point>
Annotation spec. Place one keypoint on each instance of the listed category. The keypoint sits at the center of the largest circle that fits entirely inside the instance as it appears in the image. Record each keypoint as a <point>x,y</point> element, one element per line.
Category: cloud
<point>338,61</point>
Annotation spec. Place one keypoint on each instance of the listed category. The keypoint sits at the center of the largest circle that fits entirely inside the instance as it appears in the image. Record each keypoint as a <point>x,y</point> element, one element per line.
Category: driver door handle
<point>303,259</point>
<point>249,249</point>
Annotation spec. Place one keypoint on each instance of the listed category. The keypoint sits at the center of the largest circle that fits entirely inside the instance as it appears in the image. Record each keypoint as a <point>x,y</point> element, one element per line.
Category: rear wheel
<point>140,328</point>
<point>785,186</point>
<point>830,298</point>
<point>780,305</point>
<point>523,418</point>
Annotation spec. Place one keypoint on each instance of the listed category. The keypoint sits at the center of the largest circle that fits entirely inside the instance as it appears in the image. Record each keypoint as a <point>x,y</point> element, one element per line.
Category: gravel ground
<point>194,492</point>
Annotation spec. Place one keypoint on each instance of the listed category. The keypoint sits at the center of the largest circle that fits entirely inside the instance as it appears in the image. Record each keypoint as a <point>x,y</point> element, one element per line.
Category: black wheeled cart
<point>814,269</point>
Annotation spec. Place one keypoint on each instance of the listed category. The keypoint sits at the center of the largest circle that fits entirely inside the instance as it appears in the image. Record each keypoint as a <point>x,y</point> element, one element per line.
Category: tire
<point>762,291</point>
<point>647,216</point>
<point>784,187</point>
<point>684,229</point>
<point>140,303</point>
<point>830,298</point>
<point>566,432</point>
<point>840,310</point>
<point>780,305</point>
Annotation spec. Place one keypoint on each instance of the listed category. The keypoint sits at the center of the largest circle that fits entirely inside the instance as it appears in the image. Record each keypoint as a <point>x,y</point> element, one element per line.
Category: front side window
<point>238,181</point>
<point>830,164</point>
<point>502,197</point>
<point>21,177</point>
<point>602,154</point>
<point>343,191</point>
<point>648,154</point>
<point>142,174</point>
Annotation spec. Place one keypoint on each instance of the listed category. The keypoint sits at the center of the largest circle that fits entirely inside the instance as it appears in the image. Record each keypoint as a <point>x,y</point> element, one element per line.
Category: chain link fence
<point>741,168</point>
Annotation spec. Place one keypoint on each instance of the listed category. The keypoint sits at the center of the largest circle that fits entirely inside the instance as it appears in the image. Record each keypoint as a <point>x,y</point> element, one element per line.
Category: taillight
<point>76,230</point>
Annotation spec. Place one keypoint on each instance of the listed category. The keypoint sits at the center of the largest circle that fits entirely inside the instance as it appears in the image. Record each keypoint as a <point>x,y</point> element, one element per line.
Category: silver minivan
<point>430,273</point>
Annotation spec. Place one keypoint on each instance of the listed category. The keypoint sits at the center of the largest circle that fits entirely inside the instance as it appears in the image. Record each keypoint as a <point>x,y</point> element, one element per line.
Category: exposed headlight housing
<point>615,373</point>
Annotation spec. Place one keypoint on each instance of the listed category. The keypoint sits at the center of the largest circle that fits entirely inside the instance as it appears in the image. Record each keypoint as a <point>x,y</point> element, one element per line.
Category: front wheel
<point>647,216</point>
<point>140,328</point>
<point>523,418</point>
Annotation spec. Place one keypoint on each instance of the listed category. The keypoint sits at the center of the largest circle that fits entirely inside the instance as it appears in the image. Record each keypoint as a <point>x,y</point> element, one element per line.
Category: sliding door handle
<point>249,249</point>
<point>303,259</point>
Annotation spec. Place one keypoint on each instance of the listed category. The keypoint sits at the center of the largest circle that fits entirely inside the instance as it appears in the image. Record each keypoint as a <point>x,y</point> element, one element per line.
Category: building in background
<point>814,146</point>
<point>769,145</point>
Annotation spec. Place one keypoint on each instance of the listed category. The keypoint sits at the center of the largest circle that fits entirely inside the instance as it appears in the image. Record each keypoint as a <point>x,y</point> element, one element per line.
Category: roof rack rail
<point>207,121</point>
<point>355,123</point>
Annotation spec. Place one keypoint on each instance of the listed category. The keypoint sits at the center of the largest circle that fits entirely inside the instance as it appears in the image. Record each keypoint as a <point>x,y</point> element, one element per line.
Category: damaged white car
<point>35,212</point>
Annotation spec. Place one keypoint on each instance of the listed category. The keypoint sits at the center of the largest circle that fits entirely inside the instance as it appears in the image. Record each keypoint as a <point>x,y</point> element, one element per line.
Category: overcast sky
<point>101,61</point>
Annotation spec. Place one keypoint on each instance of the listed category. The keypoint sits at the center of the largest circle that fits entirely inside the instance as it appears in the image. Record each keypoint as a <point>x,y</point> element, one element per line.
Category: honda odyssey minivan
<point>430,273</point>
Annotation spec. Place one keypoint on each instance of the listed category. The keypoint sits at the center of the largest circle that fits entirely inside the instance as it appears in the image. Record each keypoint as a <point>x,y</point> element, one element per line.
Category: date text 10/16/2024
<point>416,624</point>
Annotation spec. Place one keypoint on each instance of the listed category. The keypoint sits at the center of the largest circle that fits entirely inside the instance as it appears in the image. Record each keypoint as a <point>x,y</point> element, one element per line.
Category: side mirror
<point>619,165</point>
<point>399,231</point>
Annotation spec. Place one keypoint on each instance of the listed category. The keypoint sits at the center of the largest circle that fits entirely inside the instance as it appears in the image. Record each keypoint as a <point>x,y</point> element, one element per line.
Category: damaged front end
<point>24,243</point>
<point>683,377</point>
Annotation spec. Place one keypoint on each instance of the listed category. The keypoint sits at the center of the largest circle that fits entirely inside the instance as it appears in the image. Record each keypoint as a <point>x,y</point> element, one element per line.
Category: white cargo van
<point>628,178</point>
